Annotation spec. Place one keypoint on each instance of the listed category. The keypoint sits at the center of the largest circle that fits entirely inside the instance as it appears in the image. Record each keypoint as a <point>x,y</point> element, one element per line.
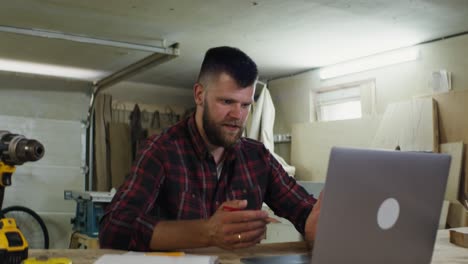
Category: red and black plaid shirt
<point>175,177</point>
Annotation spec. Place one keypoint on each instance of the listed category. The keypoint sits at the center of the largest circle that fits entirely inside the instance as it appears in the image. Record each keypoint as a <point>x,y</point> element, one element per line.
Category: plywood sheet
<point>455,150</point>
<point>459,236</point>
<point>411,125</point>
<point>312,142</point>
<point>457,215</point>
<point>453,124</point>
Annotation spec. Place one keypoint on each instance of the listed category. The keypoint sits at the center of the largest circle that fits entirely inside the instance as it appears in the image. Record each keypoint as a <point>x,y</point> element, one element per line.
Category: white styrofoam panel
<point>281,232</point>
<point>284,231</point>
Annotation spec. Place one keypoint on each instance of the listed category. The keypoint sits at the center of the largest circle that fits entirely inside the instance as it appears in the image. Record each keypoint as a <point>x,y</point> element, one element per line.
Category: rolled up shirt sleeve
<point>286,197</point>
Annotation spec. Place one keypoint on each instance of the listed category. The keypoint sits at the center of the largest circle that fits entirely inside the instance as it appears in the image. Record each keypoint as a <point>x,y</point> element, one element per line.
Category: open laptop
<point>378,207</point>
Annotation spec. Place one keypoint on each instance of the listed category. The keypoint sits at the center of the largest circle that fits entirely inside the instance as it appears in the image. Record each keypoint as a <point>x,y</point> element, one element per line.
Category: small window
<point>350,101</point>
<point>339,104</point>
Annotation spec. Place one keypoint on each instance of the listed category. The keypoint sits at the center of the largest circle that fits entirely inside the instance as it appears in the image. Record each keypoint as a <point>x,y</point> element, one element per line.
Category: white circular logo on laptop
<point>388,213</point>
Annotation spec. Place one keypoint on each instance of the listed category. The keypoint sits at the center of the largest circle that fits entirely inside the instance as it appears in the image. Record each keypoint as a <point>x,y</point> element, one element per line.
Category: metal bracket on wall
<point>282,138</point>
<point>35,32</point>
<point>161,54</point>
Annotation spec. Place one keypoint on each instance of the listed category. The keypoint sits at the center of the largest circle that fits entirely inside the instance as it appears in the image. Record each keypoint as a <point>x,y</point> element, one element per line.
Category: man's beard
<point>214,132</point>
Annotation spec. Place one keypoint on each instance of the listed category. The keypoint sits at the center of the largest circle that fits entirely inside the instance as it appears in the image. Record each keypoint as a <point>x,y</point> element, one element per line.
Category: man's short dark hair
<point>231,61</point>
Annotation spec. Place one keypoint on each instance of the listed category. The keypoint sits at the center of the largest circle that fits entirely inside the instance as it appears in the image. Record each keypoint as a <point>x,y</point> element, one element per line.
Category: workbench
<point>444,252</point>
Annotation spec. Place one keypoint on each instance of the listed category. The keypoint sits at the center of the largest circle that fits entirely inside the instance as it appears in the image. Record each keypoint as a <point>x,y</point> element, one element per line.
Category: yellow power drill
<point>14,150</point>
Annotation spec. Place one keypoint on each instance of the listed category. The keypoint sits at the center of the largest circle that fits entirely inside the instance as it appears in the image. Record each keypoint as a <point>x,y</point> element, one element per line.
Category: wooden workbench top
<point>444,252</point>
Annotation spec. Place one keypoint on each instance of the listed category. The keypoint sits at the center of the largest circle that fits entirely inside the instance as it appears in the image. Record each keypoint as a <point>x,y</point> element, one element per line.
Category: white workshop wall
<point>291,95</point>
<point>40,97</point>
<point>51,110</point>
<point>39,185</point>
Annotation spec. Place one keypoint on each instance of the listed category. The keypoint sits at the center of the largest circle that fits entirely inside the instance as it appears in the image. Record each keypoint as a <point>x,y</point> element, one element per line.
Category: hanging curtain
<point>118,133</point>
<point>261,126</point>
<point>112,146</point>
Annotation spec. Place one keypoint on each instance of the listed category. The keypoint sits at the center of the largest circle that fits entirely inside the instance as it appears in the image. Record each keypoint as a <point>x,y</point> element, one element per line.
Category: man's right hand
<point>236,229</point>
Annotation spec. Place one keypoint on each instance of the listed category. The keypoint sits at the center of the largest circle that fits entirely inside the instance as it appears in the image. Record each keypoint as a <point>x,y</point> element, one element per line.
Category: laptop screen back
<point>380,207</point>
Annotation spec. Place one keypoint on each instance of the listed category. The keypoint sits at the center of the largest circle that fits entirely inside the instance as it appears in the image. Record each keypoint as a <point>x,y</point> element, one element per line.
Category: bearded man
<point>200,183</point>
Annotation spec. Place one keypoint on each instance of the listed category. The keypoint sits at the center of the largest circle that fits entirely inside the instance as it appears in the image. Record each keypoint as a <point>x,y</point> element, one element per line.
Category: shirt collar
<point>200,146</point>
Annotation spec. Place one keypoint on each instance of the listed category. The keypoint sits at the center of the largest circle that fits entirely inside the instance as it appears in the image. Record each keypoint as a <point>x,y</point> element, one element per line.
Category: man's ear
<point>198,93</point>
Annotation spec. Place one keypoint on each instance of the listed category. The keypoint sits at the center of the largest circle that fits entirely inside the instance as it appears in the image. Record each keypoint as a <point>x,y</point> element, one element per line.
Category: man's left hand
<point>312,220</point>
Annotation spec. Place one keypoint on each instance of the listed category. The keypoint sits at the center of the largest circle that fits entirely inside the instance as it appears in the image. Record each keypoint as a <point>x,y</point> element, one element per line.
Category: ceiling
<point>283,37</point>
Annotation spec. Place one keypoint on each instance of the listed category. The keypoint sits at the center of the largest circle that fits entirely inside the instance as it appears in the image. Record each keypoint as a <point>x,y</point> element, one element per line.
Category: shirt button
<point>245,191</point>
<point>217,202</point>
<point>193,195</point>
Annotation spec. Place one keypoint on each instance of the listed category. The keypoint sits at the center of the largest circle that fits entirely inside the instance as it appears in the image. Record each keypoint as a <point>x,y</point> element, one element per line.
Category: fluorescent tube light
<point>371,62</point>
<point>50,70</point>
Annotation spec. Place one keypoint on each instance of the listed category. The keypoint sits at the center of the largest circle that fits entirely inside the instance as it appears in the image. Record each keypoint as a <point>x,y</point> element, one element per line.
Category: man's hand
<point>312,220</point>
<point>231,229</point>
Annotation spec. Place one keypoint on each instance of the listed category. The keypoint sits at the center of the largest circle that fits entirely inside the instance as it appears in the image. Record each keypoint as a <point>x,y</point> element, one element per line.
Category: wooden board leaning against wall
<point>413,125</point>
<point>453,127</point>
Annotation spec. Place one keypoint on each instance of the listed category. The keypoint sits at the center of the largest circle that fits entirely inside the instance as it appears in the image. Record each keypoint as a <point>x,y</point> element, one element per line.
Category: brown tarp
<point>120,152</point>
<point>103,114</point>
